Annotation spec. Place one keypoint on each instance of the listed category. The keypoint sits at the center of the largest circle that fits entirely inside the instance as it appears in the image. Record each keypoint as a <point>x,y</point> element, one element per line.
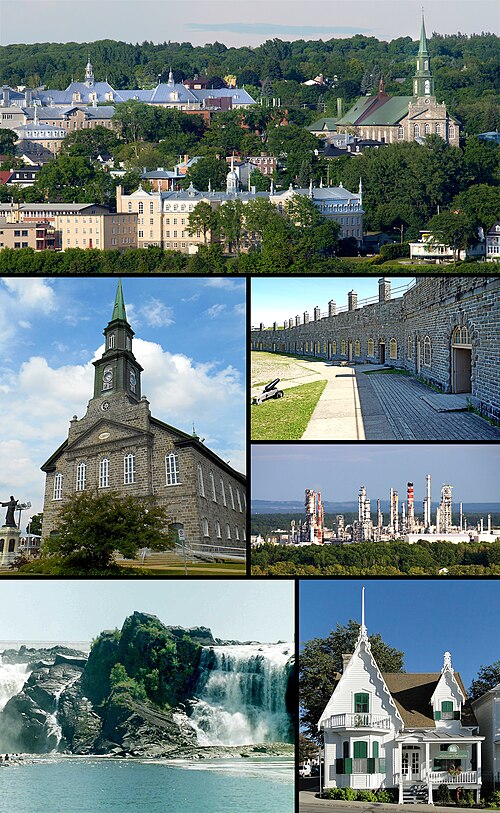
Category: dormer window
<point>447,712</point>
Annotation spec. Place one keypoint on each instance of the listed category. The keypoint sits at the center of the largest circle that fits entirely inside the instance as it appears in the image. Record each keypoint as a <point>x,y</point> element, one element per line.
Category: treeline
<point>466,68</point>
<point>389,558</point>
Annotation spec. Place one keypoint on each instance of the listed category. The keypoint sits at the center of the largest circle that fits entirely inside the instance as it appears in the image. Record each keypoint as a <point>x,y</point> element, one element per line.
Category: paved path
<point>337,415</point>
<point>308,803</point>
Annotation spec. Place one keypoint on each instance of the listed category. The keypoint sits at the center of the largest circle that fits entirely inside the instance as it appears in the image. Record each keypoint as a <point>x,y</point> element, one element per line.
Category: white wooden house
<point>487,711</point>
<point>412,732</point>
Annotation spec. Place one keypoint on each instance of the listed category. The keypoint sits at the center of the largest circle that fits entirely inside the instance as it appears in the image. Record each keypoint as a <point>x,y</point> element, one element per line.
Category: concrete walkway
<point>337,415</point>
<point>308,803</point>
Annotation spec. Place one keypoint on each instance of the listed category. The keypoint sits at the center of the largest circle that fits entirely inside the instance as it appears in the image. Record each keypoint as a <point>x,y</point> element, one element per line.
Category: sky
<point>424,618</point>
<point>190,339</point>
<point>280,298</point>
<point>78,610</point>
<point>235,22</point>
<point>283,472</point>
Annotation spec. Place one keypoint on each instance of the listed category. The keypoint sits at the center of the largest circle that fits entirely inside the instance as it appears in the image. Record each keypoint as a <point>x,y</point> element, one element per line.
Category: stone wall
<point>422,332</point>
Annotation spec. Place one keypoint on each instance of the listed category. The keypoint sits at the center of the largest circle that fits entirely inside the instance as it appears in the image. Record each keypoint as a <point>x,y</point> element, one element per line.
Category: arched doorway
<point>349,347</point>
<point>461,360</point>
<point>381,352</point>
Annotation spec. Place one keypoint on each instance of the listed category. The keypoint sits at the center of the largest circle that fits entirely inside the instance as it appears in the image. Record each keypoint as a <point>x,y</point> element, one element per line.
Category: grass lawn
<point>286,418</point>
<point>267,366</point>
<point>387,371</point>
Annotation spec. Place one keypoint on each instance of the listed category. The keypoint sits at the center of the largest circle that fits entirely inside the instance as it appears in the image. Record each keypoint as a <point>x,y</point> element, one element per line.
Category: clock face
<point>108,374</point>
<point>105,406</point>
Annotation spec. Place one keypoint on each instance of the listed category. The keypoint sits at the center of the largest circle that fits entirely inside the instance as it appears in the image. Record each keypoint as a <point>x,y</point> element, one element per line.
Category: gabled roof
<point>412,693</point>
<point>323,124</point>
<point>367,111</point>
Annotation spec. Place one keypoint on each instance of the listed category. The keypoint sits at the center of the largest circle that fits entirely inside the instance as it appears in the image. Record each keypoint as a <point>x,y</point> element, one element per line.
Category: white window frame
<point>201,484</point>
<point>218,531</point>
<point>81,476</point>
<point>223,492</point>
<point>104,473</point>
<point>212,483</point>
<point>206,530</point>
<point>129,469</point>
<point>172,469</point>
<point>238,497</point>
<point>231,495</point>
<point>58,482</point>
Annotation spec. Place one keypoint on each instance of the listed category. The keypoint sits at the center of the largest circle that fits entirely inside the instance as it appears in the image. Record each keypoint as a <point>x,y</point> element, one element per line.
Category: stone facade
<point>445,330</point>
<point>118,445</point>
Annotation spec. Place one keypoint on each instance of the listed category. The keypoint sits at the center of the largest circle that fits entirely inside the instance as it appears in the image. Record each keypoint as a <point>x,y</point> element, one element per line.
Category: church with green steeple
<point>391,119</point>
<point>119,446</point>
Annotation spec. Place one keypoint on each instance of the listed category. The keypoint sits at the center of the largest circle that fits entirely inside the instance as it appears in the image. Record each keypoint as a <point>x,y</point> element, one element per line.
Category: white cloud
<point>240,309</point>
<point>156,314</point>
<point>216,310</point>
<point>38,402</point>
<point>224,282</point>
<point>19,299</point>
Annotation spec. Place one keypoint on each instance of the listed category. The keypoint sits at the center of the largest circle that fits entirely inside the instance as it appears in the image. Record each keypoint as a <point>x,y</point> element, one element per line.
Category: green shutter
<point>381,765</point>
<point>375,749</point>
<point>361,702</point>
<point>348,765</point>
<point>447,705</point>
<point>370,765</point>
<point>360,750</point>
<point>437,715</point>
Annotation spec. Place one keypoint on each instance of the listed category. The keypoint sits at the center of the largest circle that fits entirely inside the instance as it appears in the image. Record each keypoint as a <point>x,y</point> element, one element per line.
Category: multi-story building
<point>118,446</point>
<point>487,710</point>
<point>38,236</point>
<point>493,243</point>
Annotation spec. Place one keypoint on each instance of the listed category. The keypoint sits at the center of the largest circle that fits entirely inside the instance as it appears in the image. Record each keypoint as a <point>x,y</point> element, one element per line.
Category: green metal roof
<point>323,124</point>
<point>356,110</point>
<point>119,307</point>
<point>391,112</point>
<point>423,50</point>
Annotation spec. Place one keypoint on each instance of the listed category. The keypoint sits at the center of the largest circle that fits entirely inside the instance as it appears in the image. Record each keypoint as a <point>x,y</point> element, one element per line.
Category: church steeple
<point>423,83</point>
<point>89,74</point>
<point>118,371</point>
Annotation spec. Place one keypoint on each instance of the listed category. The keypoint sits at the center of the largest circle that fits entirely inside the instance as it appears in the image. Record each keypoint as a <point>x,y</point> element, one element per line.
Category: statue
<point>11,506</point>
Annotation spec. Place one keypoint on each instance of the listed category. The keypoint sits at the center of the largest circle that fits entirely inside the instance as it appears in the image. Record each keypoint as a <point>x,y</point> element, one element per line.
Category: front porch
<point>427,761</point>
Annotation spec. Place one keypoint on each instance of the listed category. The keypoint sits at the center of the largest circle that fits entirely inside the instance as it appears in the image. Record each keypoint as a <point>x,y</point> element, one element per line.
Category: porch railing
<point>358,720</point>
<point>463,778</point>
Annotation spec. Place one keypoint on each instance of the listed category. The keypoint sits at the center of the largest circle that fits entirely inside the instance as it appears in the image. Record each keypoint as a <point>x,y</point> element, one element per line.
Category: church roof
<point>377,110</point>
<point>119,306</point>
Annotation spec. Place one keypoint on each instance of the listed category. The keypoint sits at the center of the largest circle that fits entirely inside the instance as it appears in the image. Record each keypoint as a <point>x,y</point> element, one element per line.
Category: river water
<point>88,785</point>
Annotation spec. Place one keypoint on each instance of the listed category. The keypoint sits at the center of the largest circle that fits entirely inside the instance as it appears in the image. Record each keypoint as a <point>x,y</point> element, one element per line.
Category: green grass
<point>287,417</point>
<point>387,371</point>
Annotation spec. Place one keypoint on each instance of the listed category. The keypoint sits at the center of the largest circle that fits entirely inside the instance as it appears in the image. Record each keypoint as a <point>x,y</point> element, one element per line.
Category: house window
<point>375,749</point>
<point>172,469</point>
<point>427,351</point>
<point>452,131</point>
<point>334,347</point>
<point>81,476</point>
<point>205,527</point>
<point>104,473</point>
<point>151,208</point>
<point>447,711</point>
<point>141,208</point>
<point>231,496</point>
<point>371,347</point>
<point>393,349</point>
<point>58,480</point>
<point>129,469</point>
<point>218,532</point>
<point>212,484</point>
<point>401,133</point>
<point>360,749</point>
<point>223,492</point>
<point>201,484</point>
<point>361,703</point>
<point>427,129</point>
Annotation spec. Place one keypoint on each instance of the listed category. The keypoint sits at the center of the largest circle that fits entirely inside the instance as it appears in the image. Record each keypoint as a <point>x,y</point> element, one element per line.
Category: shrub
<point>392,251</point>
<point>443,795</point>
<point>465,799</point>
<point>366,796</point>
<point>385,796</point>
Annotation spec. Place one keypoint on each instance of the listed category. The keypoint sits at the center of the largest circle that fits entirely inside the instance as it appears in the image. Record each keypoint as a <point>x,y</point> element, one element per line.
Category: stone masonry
<point>445,330</point>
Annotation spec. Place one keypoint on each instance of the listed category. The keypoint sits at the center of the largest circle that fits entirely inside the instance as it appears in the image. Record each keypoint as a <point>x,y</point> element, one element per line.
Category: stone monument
<point>10,534</point>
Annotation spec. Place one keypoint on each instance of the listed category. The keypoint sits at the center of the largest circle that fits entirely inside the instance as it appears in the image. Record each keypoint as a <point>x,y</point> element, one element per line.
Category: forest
<point>466,69</point>
<point>379,559</point>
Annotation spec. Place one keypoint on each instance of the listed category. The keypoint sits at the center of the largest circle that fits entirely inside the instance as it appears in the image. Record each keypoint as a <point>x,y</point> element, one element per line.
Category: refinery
<point>401,522</point>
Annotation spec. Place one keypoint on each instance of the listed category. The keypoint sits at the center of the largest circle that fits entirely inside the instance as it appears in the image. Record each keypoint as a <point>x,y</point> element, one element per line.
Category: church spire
<point>119,306</point>
<point>423,83</point>
<point>89,73</point>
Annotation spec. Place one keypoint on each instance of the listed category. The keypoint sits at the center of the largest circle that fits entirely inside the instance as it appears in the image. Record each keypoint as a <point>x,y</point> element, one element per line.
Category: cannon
<point>271,390</point>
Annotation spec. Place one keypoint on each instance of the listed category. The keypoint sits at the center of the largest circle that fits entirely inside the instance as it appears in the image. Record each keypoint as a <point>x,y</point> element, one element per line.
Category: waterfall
<point>52,725</point>
<point>241,695</point>
<point>12,679</point>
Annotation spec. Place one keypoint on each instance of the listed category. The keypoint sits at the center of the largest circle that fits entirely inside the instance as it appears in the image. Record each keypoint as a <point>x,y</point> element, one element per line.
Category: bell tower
<point>118,371</point>
<point>423,83</point>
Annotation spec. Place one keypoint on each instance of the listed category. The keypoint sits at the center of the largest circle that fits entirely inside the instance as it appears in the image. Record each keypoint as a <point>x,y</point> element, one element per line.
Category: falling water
<point>12,679</point>
<point>241,695</point>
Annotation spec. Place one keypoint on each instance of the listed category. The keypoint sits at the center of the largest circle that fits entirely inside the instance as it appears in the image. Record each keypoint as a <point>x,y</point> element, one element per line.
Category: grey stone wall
<point>421,325</point>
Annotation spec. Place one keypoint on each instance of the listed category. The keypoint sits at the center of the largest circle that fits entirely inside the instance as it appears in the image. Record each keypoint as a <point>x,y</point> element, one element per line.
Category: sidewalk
<point>308,800</point>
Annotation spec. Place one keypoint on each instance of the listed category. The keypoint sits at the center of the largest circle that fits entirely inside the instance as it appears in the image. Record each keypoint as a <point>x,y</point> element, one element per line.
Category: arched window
<point>416,130</point>
<point>452,131</point>
<point>236,534</point>
<point>141,208</point>
<point>201,484</point>
<point>438,129</point>
<point>205,527</point>
<point>2,543</point>
<point>427,351</point>
<point>426,65</point>
<point>393,349</point>
<point>238,497</point>
<point>107,378</point>
<point>409,348</point>
<point>371,347</point>
<point>427,86</point>
<point>129,469</point>
<point>58,481</point>
<point>460,335</point>
<point>104,473</point>
<point>342,347</point>
<point>244,535</point>
<point>172,469</point>
<point>427,129</point>
<point>81,476</point>
<point>401,132</point>
<point>357,348</point>
<point>111,341</point>
<point>231,497</point>
<point>228,531</point>
<point>218,530</point>
<point>212,484</point>
<point>223,492</point>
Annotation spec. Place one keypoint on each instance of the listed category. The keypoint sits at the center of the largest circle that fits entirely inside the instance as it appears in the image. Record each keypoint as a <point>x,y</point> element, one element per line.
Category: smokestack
<point>461,517</point>
<point>489,523</point>
<point>411,506</point>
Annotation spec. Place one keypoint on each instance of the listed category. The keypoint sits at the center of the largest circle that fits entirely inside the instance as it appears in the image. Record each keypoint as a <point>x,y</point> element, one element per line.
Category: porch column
<point>400,768</point>
<point>478,768</point>
<point>428,763</point>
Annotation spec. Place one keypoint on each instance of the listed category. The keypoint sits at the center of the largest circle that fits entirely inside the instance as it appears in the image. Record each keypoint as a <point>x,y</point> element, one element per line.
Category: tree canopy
<point>487,678</point>
<point>320,664</point>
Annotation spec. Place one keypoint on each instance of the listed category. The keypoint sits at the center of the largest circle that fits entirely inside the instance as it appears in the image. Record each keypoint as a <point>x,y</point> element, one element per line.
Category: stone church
<point>118,445</point>
<point>391,119</point>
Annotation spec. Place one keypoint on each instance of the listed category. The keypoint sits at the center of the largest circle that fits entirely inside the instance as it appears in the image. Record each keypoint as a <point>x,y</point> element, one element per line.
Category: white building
<point>487,711</point>
<point>431,250</point>
<point>493,243</point>
<point>412,732</point>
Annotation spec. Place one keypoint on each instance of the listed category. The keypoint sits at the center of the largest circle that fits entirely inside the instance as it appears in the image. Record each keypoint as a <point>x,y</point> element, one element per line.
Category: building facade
<point>487,711</point>
<point>445,330</point>
<point>412,732</point>
<point>392,119</point>
<point>118,446</point>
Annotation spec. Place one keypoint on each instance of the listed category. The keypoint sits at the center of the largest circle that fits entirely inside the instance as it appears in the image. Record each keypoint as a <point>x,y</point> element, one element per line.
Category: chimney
<point>345,661</point>
<point>317,314</point>
<point>352,300</point>
<point>306,317</point>
<point>384,289</point>
<point>332,307</point>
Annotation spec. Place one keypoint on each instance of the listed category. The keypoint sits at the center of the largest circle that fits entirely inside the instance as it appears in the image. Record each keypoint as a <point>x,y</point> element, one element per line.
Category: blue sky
<point>274,300</point>
<point>77,610</point>
<point>423,618</point>
<point>190,339</point>
<point>283,472</point>
<point>235,22</point>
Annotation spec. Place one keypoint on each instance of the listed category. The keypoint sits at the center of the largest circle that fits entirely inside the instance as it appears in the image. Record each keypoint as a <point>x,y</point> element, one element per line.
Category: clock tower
<point>118,372</point>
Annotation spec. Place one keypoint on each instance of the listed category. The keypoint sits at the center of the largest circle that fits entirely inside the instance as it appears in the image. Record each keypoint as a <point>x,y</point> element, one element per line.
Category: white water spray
<point>12,679</point>
<point>242,695</point>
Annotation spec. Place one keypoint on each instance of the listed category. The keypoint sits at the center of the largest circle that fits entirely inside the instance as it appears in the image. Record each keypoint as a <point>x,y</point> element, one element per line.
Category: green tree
<point>91,527</point>
<point>207,170</point>
<point>454,229</point>
<point>201,219</point>
<point>229,223</point>
<point>487,678</point>
<point>35,524</point>
<point>481,203</point>
<point>90,143</point>
<point>321,664</point>
<point>259,214</point>
<point>302,212</point>
<point>8,140</point>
